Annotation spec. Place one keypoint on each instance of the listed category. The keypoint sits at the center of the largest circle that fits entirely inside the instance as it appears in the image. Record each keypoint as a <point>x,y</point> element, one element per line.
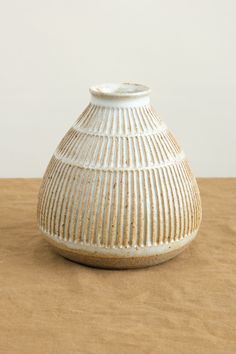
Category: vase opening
<point>120,92</point>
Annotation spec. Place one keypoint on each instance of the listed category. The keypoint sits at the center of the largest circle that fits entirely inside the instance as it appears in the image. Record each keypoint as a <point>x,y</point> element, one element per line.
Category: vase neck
<point>120,95</point>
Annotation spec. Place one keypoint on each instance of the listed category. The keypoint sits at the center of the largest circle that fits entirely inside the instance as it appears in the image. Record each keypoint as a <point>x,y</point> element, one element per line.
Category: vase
<point>118,191</point>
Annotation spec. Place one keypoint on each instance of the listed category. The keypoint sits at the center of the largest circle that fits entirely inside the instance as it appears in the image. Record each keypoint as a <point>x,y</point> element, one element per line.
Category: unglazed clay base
<point>133,258</point>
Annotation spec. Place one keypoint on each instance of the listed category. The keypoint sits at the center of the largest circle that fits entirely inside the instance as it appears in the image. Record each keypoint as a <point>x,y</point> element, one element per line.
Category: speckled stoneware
<point>118,191</point>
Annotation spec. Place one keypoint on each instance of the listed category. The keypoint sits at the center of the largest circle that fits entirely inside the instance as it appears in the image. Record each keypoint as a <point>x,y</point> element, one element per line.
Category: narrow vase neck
<point>120,95</point>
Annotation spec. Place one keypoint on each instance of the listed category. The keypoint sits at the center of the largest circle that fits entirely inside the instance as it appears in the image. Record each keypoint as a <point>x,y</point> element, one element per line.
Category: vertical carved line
<point>90,117</point>
<point>140,152</point>
<point>128,151</point>
<point>190,198</point>
<point>104,152</point>
<point>95,149</point>
<point>64,141</point>
<point>164,207</point>
<point>82,115</point>
<point>161,154</point>
<point>81,237</point>
<point>166,196</point>
<point>97,120</point>
<point>177,205</point>
<point>160,210</point>
<point>172,203</point>
<point>125,148</point>
<point>113,121</point>
<point>71,205</point>
<point>174,142</point>
<point>138,113</point>
<point>43,195</point>
<point>126,126</point>
<point>57,195</point>
<point>82,120</point>
<point>154,115</point>
<point>75,205</point>
<point>111,236</point>
<point>111,152</point>
<point>49,192</point>
<point>118,144</point>
<point>71,142</point>
<point>92,208</point>
<point>151,150</point>
<point>107,211</point>
<point>135,210</point>
<point>81,150</point>
<point>137,156</point>
<point>77,237</point>
<point>119,121</point>
<point>187,197</point>
<point>131,123</point>
<point>59,205</point>
<point>121,214</point>
<point>166,144</point>
<point>180,198</point>
<point>63,213</point>
<point>109,121</point>
<point>97,152</point>
<point>154,124</point>
<point>74,150</point>
<point>87,206</point>
<point>173,146</point>
<point>89,157</point>
<point>128,210</point>
<point>183,193</point>
<point>146,118</point>
<point>125,238</point>
<point>98,227</point>
<point>157,156</point>
<point>132,152</point>
<point>141,209</point>
<point>137,118</point>
<point>102,122</point>
<point>194,199</point>
<point>153,202</point>
<point>164,152</point>
<point>148,208</point>
<point>132,236</point>
<point>124,123</point>
<point>142,140</point>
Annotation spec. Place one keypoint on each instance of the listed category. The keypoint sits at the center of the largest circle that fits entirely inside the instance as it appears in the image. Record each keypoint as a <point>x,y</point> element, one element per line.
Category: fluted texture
<point>119,179</point>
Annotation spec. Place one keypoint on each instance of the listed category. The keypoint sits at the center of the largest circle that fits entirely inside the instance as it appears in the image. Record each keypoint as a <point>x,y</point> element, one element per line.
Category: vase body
<point>118,191</point>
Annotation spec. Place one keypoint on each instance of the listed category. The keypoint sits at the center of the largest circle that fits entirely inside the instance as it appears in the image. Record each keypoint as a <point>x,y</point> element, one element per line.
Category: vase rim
<point>119,90</point>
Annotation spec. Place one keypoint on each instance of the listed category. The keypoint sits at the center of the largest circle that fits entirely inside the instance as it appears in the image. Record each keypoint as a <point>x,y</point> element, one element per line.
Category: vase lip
<point>119,90</point>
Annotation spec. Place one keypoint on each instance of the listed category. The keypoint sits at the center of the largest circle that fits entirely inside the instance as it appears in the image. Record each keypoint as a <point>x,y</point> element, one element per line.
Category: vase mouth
<point>120,90</point>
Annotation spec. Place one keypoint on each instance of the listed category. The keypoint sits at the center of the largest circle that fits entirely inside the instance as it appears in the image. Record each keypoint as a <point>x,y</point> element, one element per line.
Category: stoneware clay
<point>118,191</point>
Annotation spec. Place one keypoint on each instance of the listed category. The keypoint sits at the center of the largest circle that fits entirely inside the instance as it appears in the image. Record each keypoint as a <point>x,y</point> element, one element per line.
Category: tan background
<point>51,305</point>
<point>52,50</point>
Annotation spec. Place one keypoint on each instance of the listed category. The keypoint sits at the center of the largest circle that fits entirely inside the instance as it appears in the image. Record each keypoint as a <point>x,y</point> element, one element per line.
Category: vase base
<point>117,262</point>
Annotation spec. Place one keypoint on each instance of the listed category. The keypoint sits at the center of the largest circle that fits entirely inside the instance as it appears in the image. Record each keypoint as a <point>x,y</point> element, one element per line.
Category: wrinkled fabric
<point>51,305</point>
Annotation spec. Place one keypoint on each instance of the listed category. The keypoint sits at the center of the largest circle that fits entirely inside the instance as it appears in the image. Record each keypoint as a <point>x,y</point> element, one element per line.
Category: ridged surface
<point>119,179</point>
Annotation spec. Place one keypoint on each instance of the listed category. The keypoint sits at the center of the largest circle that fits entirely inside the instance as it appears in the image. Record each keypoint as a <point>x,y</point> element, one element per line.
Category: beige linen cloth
<point>51,305</point>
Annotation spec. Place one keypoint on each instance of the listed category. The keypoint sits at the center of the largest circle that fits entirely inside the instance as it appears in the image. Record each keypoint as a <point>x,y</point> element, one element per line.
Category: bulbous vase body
<point>118,191</point>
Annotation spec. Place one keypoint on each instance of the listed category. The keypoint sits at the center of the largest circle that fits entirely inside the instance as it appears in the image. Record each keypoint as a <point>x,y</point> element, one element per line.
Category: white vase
<point>118,191</point>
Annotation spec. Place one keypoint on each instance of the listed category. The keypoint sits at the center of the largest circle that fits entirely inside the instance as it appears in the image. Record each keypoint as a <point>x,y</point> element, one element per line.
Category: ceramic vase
<point>118,191</point>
